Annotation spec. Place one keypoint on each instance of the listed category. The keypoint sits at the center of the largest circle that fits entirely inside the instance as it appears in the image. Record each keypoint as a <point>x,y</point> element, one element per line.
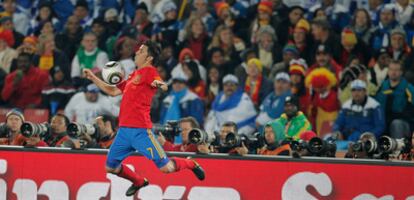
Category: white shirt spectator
<point>101,60</point>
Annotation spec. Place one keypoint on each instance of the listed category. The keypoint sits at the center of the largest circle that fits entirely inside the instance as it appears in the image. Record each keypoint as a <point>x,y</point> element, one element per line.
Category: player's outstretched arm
<point>108,89</point>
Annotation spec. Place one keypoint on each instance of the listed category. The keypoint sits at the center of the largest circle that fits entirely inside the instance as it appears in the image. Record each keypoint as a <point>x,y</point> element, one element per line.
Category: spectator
<point>324,105</point>
<point>287,26</point>
<point>58,92</point>
<point>168,28</point>
<point>47,56</point>
<point>263,18</point>
<point>395,97</point>
<point>359,114</point>
<point>20,19</point>
<point>111,22</point>
<point>23,87</point>
<point>230,101</point>
<point>100,29</point>
<point>181,102</point>
<point>81,12</point>
<point>45,14</point>
<point>380,70</point>
<point>290,52</point>
<point>186,124</point>
<point>29,46</point>
<point>216,58</point>
<point>124,52</point>
<point>267,48</point>
<point>293,121</point>
<point>195,83</point>
<point>231,45</point>
<point>58,134</point>
<point>374,9</point>
<point>297,72</point>
<point>201,11</point>
<point>213,86</point>
<point>323,36</point>
<point>159,96</point>
<point>361,25</point>
<point>85,106</point>
<point>324,60</point>
<point>196,38</point>
<point>404,11</point>
<point>14,120</point>
<point>7,24</point>
<point>167,57</point>
<point>398,47</point>
<point>272,106</point>
<point>68,41</point>
<point>256,86</point>
<point>141,20</point>
<point>337,15</point>
<point>351,48</point>
<point>273,135</point>
<point>7,54</point>
<point>355,72</point>
<point>381,33</point>
<point>186,55</point>
<point>88,56</point>
<point>241,70</point>
<point>303,40</point>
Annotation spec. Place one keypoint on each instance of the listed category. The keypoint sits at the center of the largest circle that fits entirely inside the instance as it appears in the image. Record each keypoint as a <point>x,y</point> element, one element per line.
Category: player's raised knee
<point>168,168</point>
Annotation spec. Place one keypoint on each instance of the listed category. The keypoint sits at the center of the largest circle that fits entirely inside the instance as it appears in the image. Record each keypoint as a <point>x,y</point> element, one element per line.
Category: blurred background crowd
<point>293,68</point>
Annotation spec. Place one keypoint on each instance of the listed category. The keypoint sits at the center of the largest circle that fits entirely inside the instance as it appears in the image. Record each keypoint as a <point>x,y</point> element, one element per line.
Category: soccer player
<point>135,124</point>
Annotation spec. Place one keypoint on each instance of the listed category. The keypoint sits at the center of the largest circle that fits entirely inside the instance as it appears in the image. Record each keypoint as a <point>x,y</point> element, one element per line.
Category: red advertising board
<point>74,175</point>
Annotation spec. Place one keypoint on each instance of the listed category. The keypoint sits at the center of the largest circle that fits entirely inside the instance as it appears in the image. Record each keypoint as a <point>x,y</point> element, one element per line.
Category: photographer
<point>273,137</point>
<point>226,128</point>
<point>103,136</point>
<point>58,134</point>
<point>186,125</point>
<point>10,131</point>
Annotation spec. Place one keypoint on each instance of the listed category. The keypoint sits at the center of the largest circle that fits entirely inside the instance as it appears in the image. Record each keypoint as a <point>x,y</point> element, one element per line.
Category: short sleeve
<point>152,75</point>
<point>121,85</point>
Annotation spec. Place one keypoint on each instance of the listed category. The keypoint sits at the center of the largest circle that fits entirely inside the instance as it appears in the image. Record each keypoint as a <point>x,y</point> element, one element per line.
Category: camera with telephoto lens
<point>169,130</point>
<point>321,148</point>
<point>4,130</point>
<point>233,140</point>
<point>366,144</point>
<point>390,146</point>
<point>77,129</point>
<point>198,136</point>
<point>29,129</point>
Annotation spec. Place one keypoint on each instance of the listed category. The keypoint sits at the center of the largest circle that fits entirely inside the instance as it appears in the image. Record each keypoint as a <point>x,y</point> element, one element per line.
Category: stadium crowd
<point>285,69</point>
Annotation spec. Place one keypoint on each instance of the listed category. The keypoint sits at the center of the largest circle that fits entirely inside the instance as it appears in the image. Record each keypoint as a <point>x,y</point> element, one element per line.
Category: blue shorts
<point>129,140</point>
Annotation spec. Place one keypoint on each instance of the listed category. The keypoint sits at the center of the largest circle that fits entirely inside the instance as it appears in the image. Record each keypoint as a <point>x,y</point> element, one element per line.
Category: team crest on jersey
<point>136,79</point>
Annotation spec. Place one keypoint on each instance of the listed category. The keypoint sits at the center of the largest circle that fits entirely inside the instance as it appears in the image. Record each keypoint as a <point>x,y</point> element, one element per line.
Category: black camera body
<point>4,131</point>
<point>314,147</point>
<point>233,140</point>
<point>390,146</point>
<point>198,136</point>
<point>169,130</point>
<point>29,129</point>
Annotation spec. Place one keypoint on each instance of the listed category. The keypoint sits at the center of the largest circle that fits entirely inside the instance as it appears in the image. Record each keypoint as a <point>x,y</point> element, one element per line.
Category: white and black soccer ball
<point>113,73</point>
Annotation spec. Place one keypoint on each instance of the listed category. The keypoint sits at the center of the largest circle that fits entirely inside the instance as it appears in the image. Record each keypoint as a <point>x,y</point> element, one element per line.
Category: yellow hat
<point>303,24</point>
<point>348,37</point>
<point>256,62</point>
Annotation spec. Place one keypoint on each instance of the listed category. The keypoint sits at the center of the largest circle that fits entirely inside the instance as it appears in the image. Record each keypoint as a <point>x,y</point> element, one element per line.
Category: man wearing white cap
<point>273,105</point>
<point>232,104</point>
<point>360,114</point>
<point>84,107</point>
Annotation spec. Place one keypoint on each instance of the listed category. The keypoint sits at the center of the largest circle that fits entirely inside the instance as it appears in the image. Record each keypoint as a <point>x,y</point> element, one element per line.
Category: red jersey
<point>137,96</point>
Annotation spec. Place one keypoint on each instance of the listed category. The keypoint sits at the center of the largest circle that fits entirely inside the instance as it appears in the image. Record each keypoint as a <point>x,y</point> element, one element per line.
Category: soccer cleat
<point>134,189</point>
<point>197,170</point>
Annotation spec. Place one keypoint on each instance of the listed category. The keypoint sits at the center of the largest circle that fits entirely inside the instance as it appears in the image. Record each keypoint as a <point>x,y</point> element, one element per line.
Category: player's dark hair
<point>154,51</point>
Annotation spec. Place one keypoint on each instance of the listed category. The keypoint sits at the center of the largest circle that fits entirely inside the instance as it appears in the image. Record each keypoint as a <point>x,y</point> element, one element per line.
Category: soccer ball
<point>113,72</point>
